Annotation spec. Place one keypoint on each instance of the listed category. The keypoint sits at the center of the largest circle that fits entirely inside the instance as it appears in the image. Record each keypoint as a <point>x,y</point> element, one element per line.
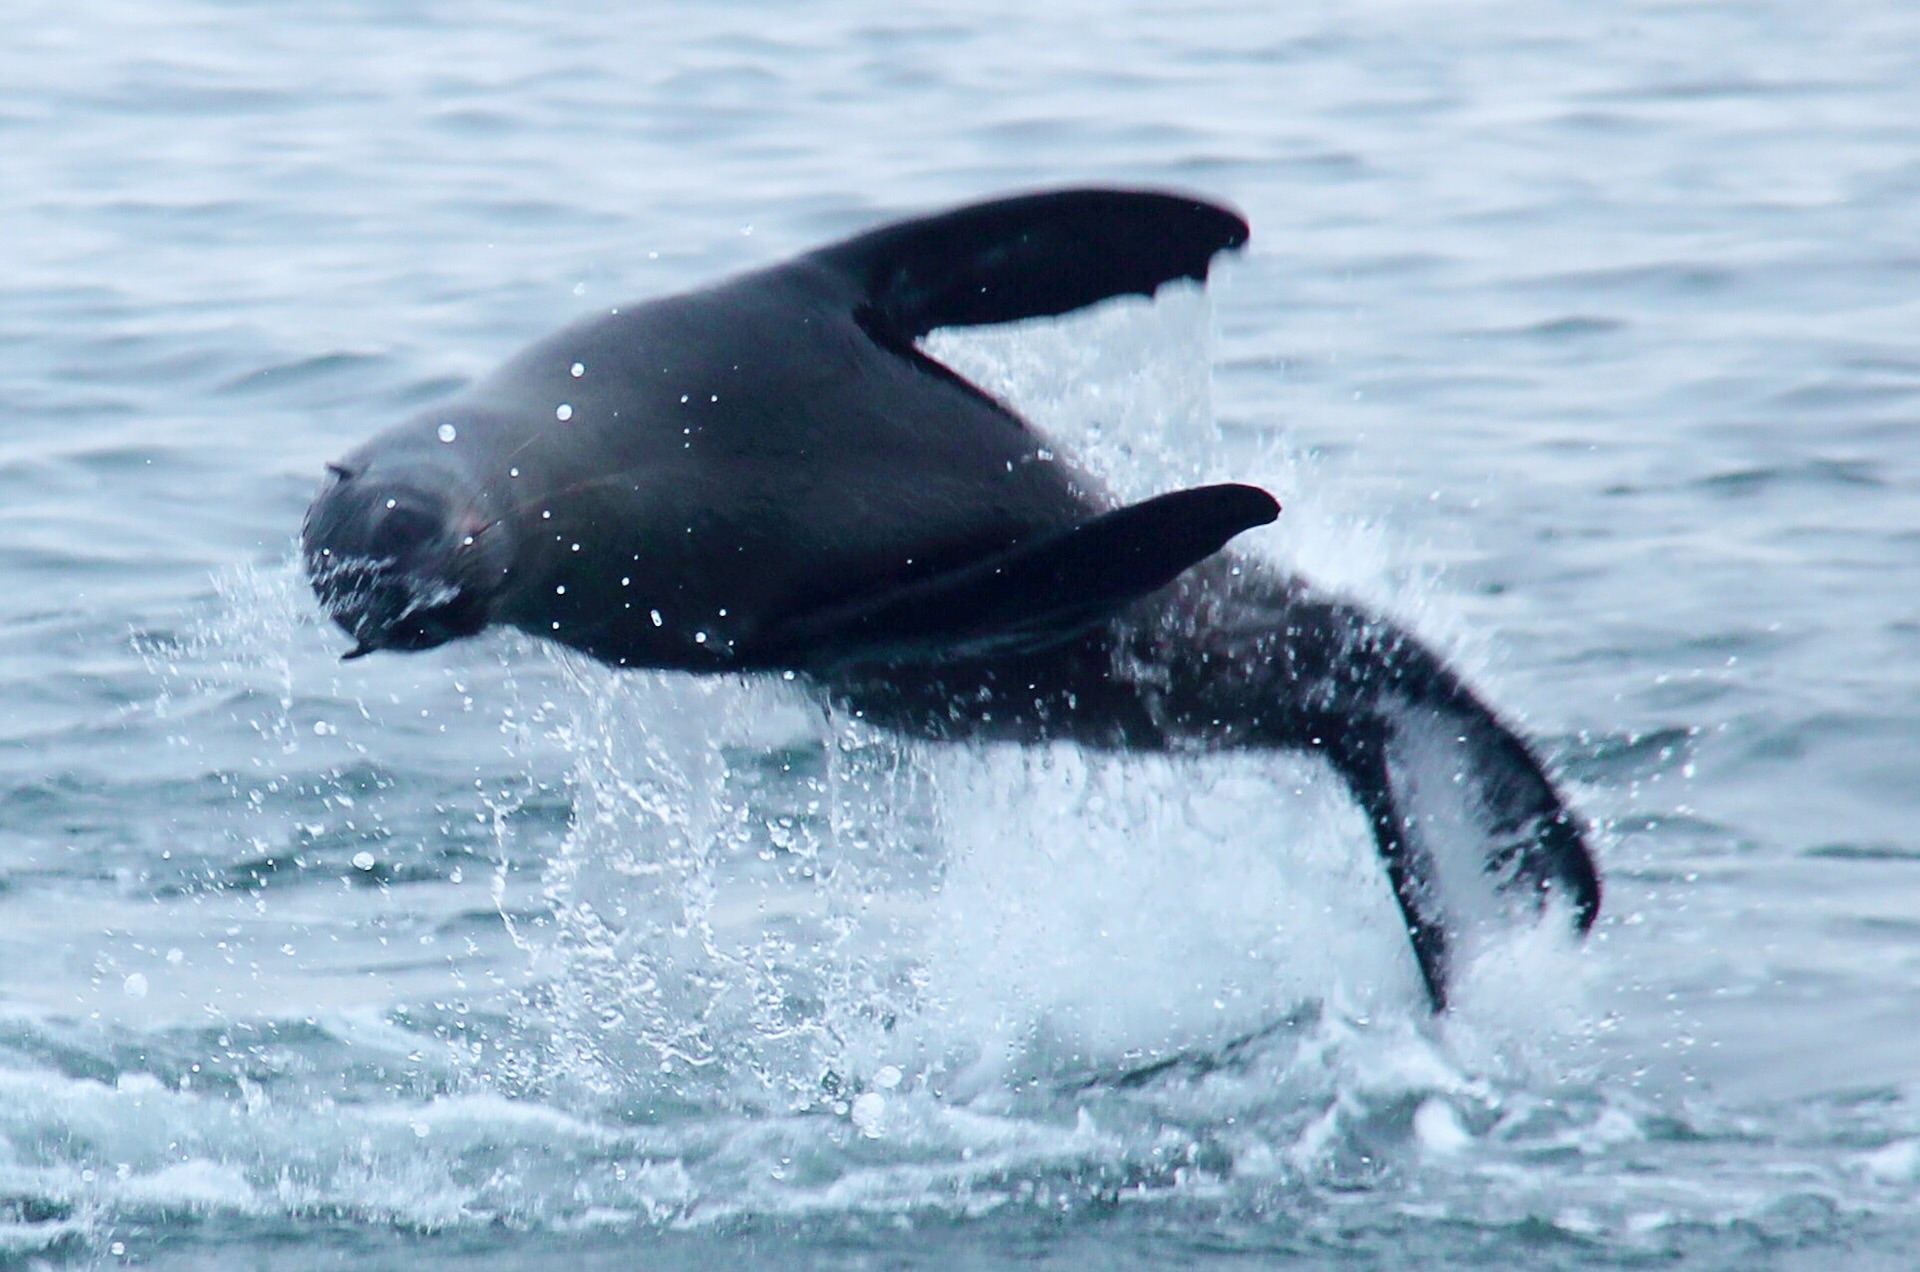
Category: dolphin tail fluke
<point>1030,256</point>
<point>1474,836</point>
<point>1035,594</point>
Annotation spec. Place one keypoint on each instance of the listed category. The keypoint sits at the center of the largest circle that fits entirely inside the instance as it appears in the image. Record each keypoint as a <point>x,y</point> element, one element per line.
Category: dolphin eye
<point>402,527</point>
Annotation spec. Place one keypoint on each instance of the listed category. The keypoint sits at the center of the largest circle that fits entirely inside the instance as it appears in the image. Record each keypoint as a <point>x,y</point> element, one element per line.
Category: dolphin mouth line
<point>359,578</point>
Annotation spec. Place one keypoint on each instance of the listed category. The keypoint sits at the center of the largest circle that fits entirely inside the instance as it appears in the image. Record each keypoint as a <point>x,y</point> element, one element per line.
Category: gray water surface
<point>1584,338</point>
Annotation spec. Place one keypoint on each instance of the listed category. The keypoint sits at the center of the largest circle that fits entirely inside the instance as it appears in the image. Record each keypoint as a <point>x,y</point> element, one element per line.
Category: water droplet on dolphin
<point>577,370</point>
<point>563,412</point>
<point>446,433</point>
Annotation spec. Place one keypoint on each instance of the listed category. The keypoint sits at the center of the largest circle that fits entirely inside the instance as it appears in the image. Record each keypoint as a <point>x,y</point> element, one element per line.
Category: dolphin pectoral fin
<point>1030,256</point>
<point>1034,594</point>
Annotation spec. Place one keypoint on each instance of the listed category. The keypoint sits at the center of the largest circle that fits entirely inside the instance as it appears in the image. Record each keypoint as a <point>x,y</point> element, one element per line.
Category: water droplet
<point>135,986</point>
<point>513,472</point>
<point>563,412</point>
<point>657,620</point>
<point>363,860</point>
<point>560,590</point>
<point>869,1111</point>
<point>577,370</point>
<point>887,1078</point>
<point>445,433</point>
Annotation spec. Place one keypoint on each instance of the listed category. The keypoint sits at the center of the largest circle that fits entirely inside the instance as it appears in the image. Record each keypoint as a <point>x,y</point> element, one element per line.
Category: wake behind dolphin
<point>771,475</point>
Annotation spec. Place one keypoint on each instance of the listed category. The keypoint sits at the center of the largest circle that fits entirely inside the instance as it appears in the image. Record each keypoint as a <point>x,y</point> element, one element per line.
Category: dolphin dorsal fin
<point>1029,256</point>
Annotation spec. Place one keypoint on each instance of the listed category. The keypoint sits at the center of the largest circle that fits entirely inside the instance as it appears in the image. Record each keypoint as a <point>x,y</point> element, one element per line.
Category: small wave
<point>1618,758</point>
<point>1567,328</point>
<point>1863,852</point>
<point>299,373</point>
<point>1743,482</point>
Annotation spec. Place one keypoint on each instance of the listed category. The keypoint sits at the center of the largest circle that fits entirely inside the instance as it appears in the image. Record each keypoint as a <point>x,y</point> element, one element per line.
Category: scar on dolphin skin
<point>770,474</point>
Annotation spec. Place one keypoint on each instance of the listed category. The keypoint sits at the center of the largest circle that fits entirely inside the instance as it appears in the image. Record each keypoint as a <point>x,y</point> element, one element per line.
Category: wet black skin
<point>769,475</point>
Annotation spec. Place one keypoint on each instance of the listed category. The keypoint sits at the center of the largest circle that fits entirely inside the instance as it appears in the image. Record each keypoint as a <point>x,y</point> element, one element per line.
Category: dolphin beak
<point>360,650</point>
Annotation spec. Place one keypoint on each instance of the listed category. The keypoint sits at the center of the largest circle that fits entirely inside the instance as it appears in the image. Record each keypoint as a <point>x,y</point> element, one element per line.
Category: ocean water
<point>1584,338</point>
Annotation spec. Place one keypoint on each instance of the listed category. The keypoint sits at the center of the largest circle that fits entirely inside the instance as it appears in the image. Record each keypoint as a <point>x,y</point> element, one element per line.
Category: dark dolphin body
<point>769,474</point>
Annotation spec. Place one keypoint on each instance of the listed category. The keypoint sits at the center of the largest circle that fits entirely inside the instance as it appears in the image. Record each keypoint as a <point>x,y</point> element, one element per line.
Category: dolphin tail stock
<point>1474,836</point>
<point>1029,256</point>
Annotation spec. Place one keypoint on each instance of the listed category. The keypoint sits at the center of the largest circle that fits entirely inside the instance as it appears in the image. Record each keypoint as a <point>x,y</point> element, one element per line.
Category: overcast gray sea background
<point>1585,338</point>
